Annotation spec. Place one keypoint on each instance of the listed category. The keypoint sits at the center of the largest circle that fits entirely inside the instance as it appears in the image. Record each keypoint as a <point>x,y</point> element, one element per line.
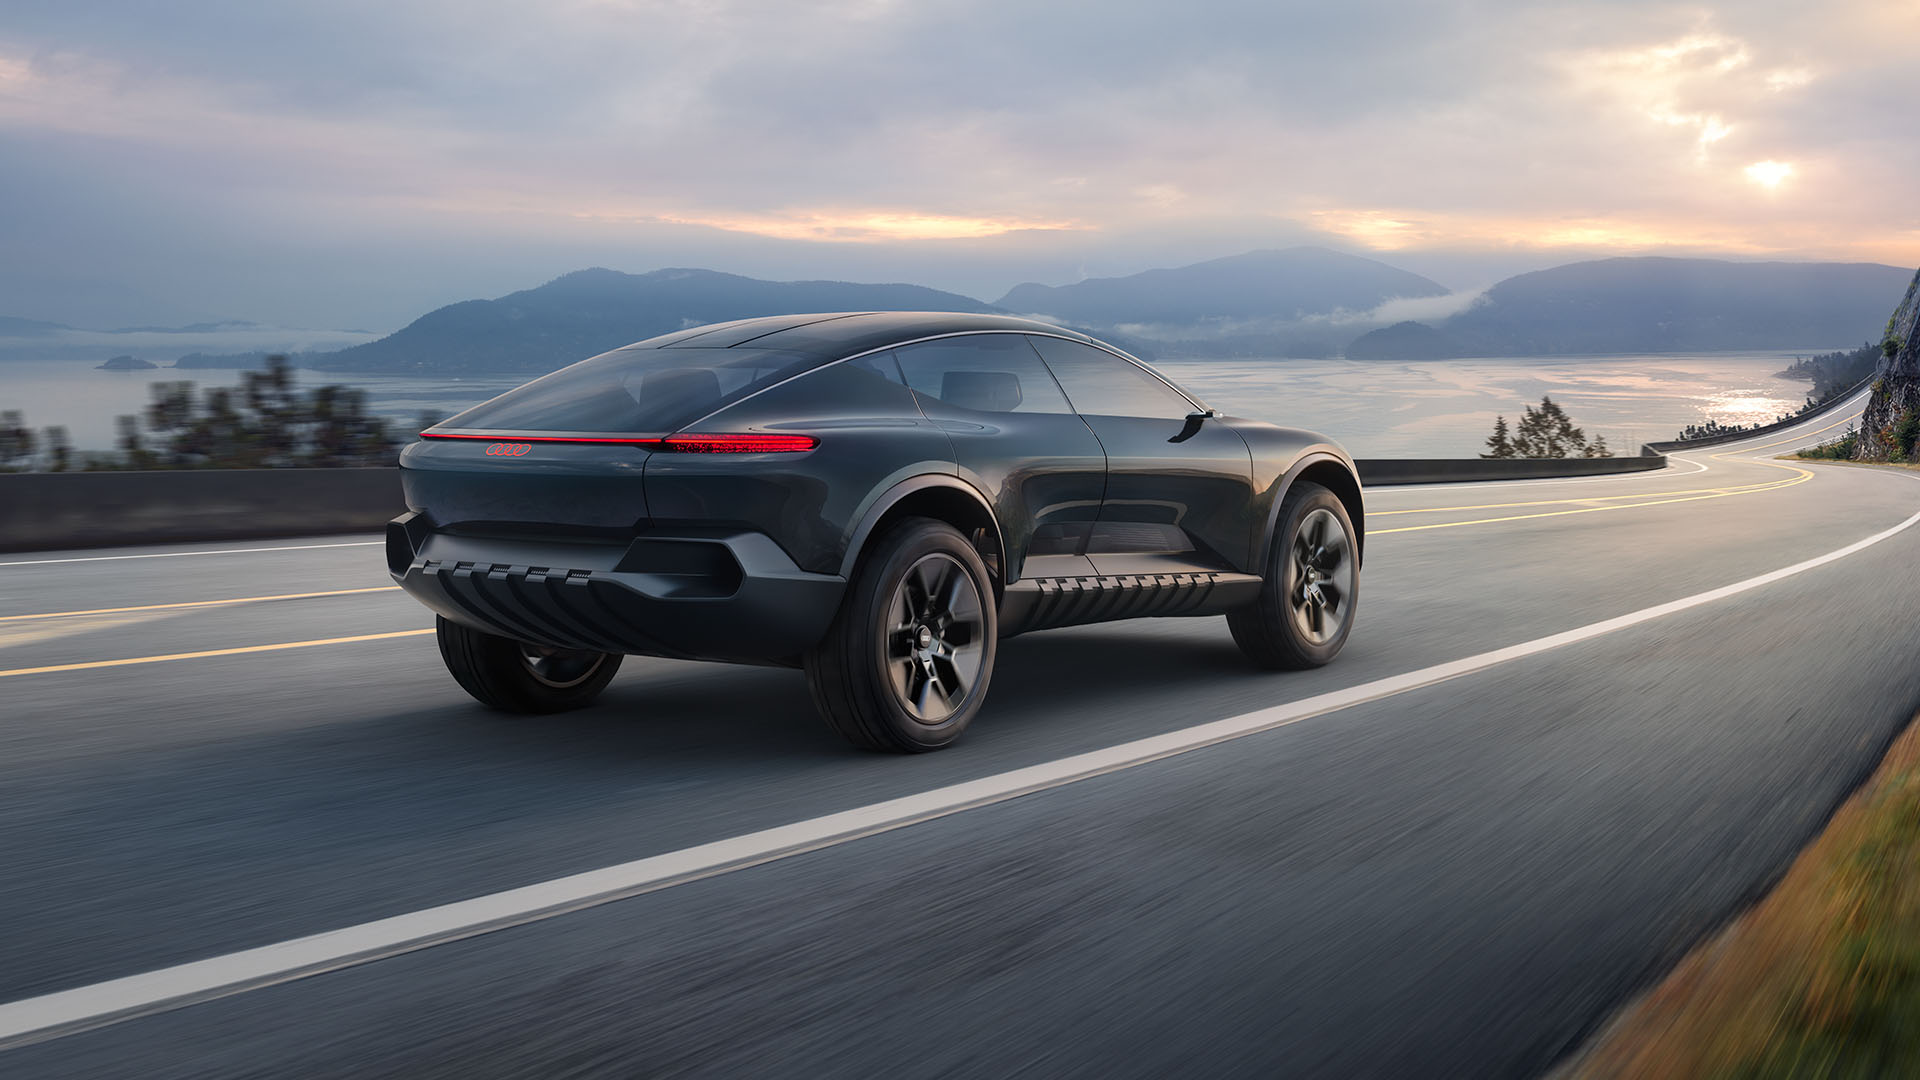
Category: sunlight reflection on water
<point>1446,408</point>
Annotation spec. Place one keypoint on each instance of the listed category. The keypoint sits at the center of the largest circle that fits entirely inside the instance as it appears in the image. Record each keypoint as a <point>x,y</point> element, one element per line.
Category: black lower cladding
<point>1048,602</point>
<point>718,595</point>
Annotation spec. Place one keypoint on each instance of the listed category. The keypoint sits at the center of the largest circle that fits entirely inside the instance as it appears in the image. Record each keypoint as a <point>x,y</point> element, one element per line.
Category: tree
<point>1500,443</point>
<point>16,442</point>
<point>59,448</point>
<point>1543,432</point>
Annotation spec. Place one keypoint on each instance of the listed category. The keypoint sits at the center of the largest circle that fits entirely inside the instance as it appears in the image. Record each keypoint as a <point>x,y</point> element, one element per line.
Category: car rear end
<point>529,518</point>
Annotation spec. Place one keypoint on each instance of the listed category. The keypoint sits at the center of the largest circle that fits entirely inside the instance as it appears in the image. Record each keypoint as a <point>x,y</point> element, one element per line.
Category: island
<point>125,363</point>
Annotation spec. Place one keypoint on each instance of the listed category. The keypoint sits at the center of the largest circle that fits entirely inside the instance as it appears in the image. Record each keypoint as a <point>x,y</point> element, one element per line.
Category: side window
<point>1102,384</point>
<point>983,373</point>
<point>881,364</point>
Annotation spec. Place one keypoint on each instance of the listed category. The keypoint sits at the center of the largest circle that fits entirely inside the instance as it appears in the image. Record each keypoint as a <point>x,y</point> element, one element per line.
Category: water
<point>1446,408</point>
<point>1442,408</point>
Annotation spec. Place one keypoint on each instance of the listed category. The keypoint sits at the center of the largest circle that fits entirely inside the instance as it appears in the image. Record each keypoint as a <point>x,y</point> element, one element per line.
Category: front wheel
<point>906,663</point>
<point>512,676</point>
<point>1312,583</point>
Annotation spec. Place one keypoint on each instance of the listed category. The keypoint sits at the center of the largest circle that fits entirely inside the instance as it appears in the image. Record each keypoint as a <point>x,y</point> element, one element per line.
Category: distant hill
<point>15,327</point>
<point>1404,341</point>
<point>1260,287</point>
<point>1656,304</point>
<point>590,311</point>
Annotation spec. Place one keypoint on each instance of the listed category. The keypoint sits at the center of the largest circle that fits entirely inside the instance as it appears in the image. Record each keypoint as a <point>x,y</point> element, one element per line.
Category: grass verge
<point>1820,979</point>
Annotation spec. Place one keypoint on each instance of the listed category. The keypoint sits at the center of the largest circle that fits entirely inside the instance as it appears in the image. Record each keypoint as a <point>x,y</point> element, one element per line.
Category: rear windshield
<point>640,391</point>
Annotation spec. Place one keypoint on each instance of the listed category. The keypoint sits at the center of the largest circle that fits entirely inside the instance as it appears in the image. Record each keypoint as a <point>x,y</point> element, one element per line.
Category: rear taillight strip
<point>726,443</point>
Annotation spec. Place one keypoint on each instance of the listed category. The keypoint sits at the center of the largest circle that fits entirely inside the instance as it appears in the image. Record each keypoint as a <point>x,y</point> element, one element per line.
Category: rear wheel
<point>1306,604</point>
<point>513,676</point>
<point>906,663</point>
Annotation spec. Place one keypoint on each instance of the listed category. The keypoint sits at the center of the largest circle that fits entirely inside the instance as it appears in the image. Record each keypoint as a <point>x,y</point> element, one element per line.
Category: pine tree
<point>1500,443</point>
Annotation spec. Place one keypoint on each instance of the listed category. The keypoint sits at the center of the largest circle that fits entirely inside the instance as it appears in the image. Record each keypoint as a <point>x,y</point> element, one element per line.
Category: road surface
<point>1386,867</point>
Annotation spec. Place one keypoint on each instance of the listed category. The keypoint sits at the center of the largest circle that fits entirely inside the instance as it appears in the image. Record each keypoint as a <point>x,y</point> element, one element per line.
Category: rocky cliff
<point>1891,422</point>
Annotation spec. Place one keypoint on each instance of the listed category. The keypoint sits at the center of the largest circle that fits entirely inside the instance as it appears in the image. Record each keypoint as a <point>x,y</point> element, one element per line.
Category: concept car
<point>876,497</point>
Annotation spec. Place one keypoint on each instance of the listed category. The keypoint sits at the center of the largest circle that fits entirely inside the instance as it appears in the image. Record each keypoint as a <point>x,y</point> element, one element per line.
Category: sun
<point>1769,174</point>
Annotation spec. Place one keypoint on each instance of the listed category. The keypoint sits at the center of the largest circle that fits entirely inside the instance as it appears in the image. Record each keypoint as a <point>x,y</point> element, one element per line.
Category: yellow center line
<point>89,665</point>
<point>1801,479</point>
<point>1585,499</point>
<point>199,603</point>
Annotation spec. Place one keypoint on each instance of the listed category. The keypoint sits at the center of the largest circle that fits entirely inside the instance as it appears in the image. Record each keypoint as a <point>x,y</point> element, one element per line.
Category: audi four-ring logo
<point>509,449</point>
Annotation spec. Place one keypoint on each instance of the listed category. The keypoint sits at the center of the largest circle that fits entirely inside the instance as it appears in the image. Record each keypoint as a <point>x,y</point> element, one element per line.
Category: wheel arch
<point>1335,474</point>
<point>943,497</point>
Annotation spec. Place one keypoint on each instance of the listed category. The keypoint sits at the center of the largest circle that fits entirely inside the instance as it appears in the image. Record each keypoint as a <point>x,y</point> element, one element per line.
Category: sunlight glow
<point>1769,174</point>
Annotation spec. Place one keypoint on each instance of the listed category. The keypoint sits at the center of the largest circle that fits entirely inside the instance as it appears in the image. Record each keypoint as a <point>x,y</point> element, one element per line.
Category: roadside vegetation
<point>1902,439</point>
<point>1821,978</point>
<point>1832,374</point>
<point>1543,432</point>
<point>265,422</point>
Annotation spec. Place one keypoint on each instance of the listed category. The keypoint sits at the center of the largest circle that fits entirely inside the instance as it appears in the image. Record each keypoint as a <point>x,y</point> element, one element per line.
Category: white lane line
<point>179,554</point>
<point>51,1016</point>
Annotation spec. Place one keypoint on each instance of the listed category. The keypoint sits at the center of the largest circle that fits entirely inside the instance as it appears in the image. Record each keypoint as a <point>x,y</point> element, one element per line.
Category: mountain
<point>1404,341</point>
<point>1260,287</point>
<point>14,327</point>
<point>590,311</point>
<point>1658,304</point>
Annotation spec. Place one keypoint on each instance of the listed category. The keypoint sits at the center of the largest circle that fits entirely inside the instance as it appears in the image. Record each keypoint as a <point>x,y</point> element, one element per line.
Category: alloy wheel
<point>934,637</point>
<point>560,668</point>
<point>1319,577</point>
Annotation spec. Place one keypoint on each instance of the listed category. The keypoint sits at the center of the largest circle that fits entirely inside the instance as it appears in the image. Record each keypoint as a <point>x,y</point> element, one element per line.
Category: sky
<point>354,164</point>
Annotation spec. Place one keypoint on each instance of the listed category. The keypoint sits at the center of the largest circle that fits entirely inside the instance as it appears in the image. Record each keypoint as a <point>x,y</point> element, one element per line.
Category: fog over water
<point>1439,408</point>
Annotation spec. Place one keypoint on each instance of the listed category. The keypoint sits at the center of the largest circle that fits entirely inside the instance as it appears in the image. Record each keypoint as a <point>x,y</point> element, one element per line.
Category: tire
<point>510,676</point>
<point>906,663</point>
<point>1311,585</point>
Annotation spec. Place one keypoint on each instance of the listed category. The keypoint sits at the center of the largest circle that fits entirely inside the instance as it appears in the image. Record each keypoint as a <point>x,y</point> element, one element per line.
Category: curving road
<point>1578,725</point>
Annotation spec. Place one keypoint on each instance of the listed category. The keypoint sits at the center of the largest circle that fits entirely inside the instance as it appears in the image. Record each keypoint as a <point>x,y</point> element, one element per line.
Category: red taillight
<point>541,438</point>
<point>739,444</point>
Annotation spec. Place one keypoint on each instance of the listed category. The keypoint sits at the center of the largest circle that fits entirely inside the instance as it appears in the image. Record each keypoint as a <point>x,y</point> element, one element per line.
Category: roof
<point>832,335</point>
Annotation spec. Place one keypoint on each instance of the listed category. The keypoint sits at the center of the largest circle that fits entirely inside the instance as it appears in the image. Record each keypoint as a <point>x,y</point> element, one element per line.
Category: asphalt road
<point>1458,879</point>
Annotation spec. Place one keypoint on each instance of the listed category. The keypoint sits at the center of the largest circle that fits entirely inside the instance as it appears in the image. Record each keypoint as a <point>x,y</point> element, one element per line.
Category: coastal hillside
<point>1270,287</point>
<point>1657,304</point>
<point>590,311</point>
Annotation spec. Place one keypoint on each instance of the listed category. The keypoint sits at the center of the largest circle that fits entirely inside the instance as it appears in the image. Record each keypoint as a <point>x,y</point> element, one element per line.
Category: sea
<point>1440,408</point>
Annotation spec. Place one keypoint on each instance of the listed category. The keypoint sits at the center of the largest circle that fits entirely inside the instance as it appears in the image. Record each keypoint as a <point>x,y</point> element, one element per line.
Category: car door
<point>1017,439</point>
<point>1179,484</point>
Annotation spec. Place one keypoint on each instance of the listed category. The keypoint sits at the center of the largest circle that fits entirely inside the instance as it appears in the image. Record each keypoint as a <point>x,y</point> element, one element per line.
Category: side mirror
<point>1194,420</point>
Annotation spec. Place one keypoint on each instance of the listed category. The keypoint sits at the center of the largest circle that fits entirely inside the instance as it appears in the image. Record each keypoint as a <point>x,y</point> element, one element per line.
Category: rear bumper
<point>710,595</point>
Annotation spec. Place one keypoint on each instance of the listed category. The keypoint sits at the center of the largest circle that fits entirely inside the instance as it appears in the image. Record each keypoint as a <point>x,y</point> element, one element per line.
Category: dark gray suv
<point>877,497</point>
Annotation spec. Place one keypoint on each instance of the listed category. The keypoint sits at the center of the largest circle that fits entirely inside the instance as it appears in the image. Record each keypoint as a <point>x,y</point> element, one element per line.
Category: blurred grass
<point>1820,979</point>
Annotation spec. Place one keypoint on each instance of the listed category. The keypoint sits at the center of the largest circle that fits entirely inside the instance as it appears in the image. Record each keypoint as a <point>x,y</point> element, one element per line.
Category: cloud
<point>932,136</point>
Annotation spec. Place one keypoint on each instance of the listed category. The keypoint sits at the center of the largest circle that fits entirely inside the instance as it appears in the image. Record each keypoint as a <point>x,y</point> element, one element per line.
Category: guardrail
<point>1824,407</point>
<point>1377,472</point>
<point>55,511</point>
<point>50,511</point>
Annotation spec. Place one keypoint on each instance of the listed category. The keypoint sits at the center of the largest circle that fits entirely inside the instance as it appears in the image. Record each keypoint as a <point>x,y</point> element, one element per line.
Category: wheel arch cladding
<point>1331,474</point>
<point>943,498</point>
